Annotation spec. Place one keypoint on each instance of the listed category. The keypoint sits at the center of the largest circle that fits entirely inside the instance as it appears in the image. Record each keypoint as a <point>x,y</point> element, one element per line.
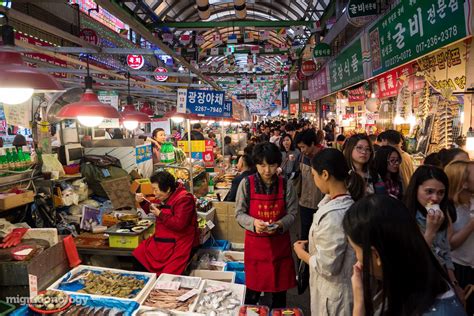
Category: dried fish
<point>167,299</point>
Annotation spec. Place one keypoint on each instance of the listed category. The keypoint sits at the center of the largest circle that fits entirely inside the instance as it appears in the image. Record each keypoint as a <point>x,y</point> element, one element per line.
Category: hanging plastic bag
<point>51,163</point>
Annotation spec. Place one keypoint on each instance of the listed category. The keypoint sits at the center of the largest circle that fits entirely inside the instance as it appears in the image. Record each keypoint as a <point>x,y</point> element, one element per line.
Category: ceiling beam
<point>243,23</point>
<point>18,16</point>
<point>137,26</point>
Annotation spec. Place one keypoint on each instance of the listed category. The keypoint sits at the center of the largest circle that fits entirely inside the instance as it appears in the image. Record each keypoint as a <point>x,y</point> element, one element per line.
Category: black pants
<point>465,276</point>
<point>306,216</point>
<point>278,298</point>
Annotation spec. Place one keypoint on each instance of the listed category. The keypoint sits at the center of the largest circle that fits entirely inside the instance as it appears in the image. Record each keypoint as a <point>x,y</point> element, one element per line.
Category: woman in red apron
<point>266,207</point>
<point>176,230</point>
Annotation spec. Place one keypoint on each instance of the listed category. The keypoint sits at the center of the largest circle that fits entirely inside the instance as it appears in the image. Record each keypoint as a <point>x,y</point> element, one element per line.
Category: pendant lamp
<point>18,82</point>
<point>131,117</point>
<point>89,111</point>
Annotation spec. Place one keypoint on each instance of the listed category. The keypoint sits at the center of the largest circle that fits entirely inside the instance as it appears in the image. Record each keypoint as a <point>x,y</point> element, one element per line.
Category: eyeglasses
<point>363,149</point>
<point>395,161</point>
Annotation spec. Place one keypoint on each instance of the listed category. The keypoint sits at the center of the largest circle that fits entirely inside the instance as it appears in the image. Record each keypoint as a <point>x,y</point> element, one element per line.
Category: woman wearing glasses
<point>358,152</point>
<point>387,165</point>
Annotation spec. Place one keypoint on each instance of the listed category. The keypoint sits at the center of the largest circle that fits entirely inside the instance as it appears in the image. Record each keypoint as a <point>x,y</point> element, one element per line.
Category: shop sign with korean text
<point>414,28</point>
<point>18,114</point>
<point>358,8</point>
<point>447,67</point>
<point>347,68</point>
<point>203,102</point>
<point>322,50</point>
<point>357,94</point>
<point>318,85</point>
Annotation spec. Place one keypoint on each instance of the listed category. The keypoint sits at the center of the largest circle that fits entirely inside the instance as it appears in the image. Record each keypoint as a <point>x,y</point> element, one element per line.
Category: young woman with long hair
<point>427,200</point>
<point>290,157</point>
<point>387,166</point>
<point>390,248</point>
<point>359,154</point>
<point>461,232</point>
<point>329,256</point>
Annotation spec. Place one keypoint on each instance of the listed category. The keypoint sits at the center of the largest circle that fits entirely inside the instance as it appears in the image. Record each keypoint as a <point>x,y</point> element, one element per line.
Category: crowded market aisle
<point>221,158</point>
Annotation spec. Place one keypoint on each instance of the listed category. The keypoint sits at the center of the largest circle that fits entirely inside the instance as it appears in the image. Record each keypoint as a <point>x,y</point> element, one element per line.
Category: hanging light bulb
<point>89,111</point>
<point>203,9</point>
<point>130,116</point>
<point>411,120</point>
<point>18,82</point>
<point>470,140</point>
<point>177,119</point>
<point>399,120</point>
<point>240,9</point>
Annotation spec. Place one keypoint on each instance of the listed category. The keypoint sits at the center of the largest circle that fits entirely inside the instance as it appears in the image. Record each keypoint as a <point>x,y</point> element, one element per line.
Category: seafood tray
<point>166,291</point>
<point>89,281</point>
<point>220,298</point>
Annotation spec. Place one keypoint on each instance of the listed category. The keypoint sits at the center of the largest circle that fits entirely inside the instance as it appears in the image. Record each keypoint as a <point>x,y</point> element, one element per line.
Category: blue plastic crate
<point>238,268</point>
<point>214,244</point>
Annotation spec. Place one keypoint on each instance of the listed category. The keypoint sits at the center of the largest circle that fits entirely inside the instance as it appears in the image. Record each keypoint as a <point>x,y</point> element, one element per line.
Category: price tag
<point>218,264</point>
<point>188,295</point>
<point>33,283</point>
<point>210,224</point>
<point>167,285</point>
<point>215,289</point>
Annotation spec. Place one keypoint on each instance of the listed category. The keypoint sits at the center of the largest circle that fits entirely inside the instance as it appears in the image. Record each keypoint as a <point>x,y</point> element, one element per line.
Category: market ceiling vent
<point>18,82</point>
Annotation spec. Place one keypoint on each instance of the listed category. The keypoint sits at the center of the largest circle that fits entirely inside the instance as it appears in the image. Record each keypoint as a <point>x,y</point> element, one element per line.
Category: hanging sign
<point>135,61</point>
<point>167,37</point>
<point>199,40</point>
<point>300,76</point>
<point>414,28</point>
<point>89,35</point>
<point>185,39</point>
<point>357,94</point>
<point>322,50</point>
<point>111,98</point>
<point>161,70</point>
<point>293,108</point>
<point>359,8</point>
<point>346,69</point>
<point>308,108</point>
<point>318,85</point>
<point>18,114</point>
<point>308,67</point>
<point>232,39</point>
<point>203,102</point>
<point>255,49</point>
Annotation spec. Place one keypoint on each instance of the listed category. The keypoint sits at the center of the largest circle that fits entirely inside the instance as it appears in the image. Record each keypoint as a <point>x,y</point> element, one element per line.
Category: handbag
<point>303,277</point>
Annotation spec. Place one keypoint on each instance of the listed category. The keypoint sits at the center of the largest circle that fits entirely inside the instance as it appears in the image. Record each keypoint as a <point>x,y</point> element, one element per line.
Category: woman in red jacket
<point>176,229</point>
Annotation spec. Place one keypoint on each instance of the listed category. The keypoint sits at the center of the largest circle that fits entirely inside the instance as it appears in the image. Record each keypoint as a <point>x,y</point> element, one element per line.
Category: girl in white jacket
<point>329,255</point>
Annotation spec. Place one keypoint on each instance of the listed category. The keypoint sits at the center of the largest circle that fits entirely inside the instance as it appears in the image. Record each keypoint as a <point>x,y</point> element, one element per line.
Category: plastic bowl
<point>52,311</point>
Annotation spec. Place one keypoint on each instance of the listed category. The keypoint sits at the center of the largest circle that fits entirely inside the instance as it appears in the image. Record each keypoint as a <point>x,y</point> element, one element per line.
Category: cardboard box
<point>141,186</point>
<point>223,276</point>
<point>227,226</point>
<point>11,201</point>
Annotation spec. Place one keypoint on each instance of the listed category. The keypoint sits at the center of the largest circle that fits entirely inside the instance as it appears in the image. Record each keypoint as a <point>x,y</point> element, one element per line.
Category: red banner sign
<point>90,36</point>
<point>41,57</point>
<point>318,85</point>
<point>293,109</point>
<point>389,83</point>
<point>357,95</point>
<point>308,108</point>
<point>308,68</point>
<point>135,61</point>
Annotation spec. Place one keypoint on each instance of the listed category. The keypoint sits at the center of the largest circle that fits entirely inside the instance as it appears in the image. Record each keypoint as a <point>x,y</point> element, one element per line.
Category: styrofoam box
<point>222,276</point>
<point>237,247</point>
<point>170,277</point>
<point>138,298</point>
<point>237,289</point>
<point>209,215</point>
<point>238,256</point>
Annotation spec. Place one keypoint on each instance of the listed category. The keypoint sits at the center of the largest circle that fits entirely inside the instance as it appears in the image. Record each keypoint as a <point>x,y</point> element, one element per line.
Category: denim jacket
<point>440,246</point>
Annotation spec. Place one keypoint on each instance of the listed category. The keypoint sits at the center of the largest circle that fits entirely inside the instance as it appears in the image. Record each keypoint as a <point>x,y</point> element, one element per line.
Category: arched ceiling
<point>156,14</point>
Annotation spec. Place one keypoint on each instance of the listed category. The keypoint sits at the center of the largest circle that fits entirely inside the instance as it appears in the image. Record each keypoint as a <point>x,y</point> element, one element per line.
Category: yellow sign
<point>197,146</point>
<point>18,114</point>
<point>447,67</point>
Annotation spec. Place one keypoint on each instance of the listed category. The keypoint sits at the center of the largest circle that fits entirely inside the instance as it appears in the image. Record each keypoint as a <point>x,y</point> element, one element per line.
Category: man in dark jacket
<point>196,133</point>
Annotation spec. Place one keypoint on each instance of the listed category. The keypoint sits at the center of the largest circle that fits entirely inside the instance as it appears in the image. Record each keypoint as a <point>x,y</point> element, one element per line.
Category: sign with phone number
<point>204,102</point>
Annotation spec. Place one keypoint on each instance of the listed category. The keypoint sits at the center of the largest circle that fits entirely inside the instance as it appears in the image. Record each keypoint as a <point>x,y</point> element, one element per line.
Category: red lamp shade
<point>130,114</point>
<point>14,74</point>
<point>88,105</point>
<point>146,108</point>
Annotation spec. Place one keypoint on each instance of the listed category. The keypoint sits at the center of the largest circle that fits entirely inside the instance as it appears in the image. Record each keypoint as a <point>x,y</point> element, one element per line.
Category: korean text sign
<point>205,102</point>
<point>414,28</point>
<point>347,69</point>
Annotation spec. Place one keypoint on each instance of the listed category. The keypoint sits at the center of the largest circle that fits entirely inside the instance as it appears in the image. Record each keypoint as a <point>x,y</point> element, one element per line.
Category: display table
<point>89,244</point>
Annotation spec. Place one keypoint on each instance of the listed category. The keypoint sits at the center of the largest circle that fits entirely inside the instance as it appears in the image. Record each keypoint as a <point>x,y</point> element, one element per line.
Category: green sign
<point>347,69</point>
<point>322,50</point>
<point>414,28</point>
<point>358,8</point>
